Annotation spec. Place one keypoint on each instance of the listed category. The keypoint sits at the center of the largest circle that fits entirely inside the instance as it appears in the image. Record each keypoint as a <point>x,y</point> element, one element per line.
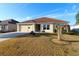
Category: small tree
<point>59,32</point>
<point>59,36</point>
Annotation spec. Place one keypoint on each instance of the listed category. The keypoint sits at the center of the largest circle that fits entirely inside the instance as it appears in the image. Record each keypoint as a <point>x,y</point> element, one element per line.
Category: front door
<point>37,27</point>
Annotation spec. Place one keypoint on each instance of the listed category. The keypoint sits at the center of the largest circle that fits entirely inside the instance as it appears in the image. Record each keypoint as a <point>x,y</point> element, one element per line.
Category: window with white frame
<point>46,26</point>
<point>4,27</point>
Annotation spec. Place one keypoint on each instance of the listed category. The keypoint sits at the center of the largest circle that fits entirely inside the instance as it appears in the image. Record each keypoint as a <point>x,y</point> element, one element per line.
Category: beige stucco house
<point>44,24</point>
<point>8,25</point>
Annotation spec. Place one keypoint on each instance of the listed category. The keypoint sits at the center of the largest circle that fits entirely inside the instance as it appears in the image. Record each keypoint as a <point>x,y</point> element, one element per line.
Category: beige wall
<point>48,31</point>
<point>24,28</point>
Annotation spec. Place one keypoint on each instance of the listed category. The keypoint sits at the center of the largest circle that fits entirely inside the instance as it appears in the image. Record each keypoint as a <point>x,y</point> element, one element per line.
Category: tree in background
<point>77,18</point>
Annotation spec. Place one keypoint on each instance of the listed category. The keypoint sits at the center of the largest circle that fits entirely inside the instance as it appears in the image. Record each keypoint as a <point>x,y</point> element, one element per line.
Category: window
<point>45,27</point>
<point>4,26</point>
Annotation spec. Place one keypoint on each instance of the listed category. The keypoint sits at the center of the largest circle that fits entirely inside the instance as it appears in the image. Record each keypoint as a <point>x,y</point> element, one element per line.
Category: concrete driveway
<point>5,36</point>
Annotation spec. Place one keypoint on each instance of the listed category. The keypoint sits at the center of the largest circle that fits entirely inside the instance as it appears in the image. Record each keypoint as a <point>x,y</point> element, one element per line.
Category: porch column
<point>41,27</point>
<point>34,27</point>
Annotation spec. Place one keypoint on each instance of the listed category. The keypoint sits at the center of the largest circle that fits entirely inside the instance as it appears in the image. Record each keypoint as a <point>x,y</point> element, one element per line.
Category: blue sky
<point>22,12</point>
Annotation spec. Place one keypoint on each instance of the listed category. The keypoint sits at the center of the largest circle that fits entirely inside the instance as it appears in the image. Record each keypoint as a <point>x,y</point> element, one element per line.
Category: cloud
<point>44,13</point>
<point>66,13</point>
<point>22,19</point>
<point>61,15</point>
<point>36,16</point>
<point>27,18</point>
<point>74,7</point>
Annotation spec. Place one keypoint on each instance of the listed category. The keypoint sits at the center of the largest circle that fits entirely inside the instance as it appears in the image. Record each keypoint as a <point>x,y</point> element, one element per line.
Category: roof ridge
<point>45,19</point>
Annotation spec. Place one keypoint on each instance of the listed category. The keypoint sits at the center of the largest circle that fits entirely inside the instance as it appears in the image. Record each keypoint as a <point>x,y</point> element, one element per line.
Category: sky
<point>26,11</point>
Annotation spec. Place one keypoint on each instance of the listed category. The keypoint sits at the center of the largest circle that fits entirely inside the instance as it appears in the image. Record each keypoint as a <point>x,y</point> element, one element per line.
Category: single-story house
<point>8,25</point>
<point>44,24</point>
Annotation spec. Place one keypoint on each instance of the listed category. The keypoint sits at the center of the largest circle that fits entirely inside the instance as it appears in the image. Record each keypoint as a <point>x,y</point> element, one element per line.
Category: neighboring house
<point>8,25</point>
<point>74,28</point>
<point>44,24</point>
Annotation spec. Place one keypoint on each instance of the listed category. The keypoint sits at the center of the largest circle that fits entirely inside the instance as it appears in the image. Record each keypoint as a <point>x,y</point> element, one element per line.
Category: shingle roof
<point>45,20</point>
<point>9,21</point>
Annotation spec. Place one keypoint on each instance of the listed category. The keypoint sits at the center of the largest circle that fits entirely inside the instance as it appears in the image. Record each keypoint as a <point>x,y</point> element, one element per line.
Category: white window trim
<point>46,26</point>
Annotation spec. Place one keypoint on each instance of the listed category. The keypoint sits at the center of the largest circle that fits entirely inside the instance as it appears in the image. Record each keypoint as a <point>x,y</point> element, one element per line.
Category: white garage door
<point>26,28</point>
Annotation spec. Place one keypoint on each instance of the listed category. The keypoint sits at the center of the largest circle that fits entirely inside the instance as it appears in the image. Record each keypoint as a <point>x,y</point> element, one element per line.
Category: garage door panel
<point>26,28</point>
<point>23,28</point>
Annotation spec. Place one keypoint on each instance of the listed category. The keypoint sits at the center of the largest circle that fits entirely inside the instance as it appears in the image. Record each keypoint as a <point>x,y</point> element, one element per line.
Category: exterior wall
<point>12,27</point>
<point>0,27</point>
<point>25,27</point>
<point>6,28</point>
<point>3,27</point>
<point>50,29</point>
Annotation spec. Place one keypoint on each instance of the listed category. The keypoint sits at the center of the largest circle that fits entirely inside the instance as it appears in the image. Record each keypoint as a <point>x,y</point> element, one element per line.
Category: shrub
<point>72,33</point>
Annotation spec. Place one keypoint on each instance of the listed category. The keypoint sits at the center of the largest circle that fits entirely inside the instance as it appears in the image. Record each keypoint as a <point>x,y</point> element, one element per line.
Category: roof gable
<point>9,21</point>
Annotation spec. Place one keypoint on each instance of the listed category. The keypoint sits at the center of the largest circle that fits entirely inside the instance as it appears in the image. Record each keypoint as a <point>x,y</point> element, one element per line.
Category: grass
<point>38,45</point>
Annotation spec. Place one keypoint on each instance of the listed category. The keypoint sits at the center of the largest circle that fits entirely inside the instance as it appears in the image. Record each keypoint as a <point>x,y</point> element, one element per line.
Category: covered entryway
<point>37,27</point>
